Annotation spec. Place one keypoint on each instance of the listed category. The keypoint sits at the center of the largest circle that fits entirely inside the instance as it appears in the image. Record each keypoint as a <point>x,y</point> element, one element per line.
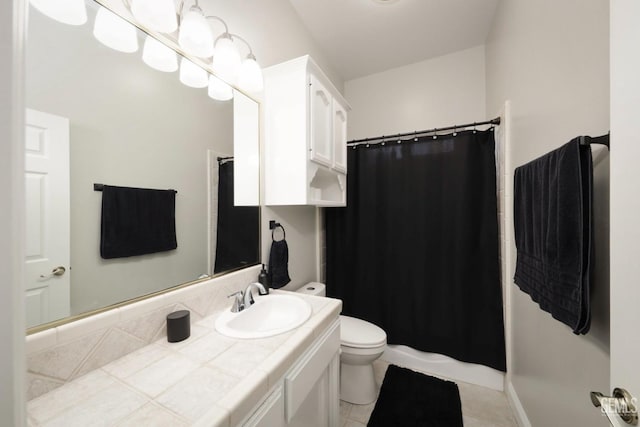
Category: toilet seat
<point>357,333</point>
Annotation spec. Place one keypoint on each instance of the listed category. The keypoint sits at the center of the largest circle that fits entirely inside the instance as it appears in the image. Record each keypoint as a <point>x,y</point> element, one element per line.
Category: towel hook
<point>273,225</point>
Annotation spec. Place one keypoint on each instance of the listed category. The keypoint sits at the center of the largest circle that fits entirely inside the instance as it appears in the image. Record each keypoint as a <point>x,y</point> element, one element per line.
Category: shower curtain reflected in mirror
<point>238,226</point>
<point>416,249</point>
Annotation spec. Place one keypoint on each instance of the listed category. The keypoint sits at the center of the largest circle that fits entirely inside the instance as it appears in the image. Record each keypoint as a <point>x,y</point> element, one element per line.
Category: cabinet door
<point>339,138</point>
<point>321,132</point>
<point>270,413</point>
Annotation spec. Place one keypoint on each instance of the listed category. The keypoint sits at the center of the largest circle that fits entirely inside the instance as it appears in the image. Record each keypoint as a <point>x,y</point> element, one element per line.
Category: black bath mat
<point>412,399</point>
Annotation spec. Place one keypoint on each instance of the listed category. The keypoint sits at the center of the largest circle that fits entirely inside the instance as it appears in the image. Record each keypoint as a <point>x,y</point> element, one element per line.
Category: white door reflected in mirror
<point>47,217</point>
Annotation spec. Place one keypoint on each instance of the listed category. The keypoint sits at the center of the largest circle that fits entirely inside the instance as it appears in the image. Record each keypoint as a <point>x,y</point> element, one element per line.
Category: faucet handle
<point>238,304</point>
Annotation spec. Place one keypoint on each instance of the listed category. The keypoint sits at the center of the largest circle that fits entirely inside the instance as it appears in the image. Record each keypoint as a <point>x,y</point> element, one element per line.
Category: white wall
<point>438,92</point>
<point>300,225</point>
<point>131,126</point>
<point>12,363</point>
<point>550,58</point>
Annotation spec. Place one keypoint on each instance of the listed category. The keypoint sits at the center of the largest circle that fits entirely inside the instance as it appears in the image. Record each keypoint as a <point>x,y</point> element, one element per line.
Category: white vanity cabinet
<point>305,136</point>
<point>308,394</point>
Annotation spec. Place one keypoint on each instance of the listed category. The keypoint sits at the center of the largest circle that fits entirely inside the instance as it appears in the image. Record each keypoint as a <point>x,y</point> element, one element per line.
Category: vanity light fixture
<point>114,32</point>
<point>195,35</point>
<point>218,89</point>
<point>156,15</point>
<point>158,56</point>
<point>71,12</point>
<point>227,62</point>
<point>226,58</point>
<point>250,75</point>
<point>191,75</point>
<point>248,72</point>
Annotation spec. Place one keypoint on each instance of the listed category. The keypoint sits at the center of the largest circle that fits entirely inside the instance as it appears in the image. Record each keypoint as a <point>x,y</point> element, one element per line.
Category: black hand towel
<point>278,264</point>
<point>553,231</point>
<point>137,221</point>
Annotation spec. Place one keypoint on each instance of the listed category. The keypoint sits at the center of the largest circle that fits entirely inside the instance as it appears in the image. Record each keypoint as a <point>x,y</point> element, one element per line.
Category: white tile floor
<point>481,407</point>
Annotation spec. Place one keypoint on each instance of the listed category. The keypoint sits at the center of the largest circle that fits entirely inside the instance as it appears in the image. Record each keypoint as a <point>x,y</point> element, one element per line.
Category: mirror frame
<point>124,13</point>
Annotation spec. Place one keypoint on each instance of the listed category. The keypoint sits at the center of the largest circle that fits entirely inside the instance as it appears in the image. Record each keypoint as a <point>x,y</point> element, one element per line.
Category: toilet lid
<point>359,333</point>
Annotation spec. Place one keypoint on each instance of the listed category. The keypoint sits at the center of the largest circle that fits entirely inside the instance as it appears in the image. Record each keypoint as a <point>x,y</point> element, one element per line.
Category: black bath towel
<point>553,231</point>
<point>279,264</point>
<point>137,221</point>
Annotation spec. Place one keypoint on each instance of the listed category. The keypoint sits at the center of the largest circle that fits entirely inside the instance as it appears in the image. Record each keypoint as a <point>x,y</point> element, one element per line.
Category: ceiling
<point>362,37</point>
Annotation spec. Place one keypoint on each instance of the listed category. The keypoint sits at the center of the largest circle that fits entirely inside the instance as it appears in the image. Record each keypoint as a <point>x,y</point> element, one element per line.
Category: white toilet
<point>361,343</point>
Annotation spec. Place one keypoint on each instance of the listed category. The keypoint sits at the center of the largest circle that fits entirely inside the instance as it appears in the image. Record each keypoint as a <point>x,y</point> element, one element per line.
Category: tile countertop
<point>205,380</point>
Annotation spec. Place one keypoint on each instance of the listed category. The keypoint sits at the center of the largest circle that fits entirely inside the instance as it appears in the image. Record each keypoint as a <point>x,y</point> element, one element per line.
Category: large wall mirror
<point>99,116</point>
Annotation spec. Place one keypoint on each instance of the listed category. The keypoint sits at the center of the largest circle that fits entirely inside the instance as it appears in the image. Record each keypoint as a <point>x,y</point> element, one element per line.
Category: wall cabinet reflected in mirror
<point>96,115</point>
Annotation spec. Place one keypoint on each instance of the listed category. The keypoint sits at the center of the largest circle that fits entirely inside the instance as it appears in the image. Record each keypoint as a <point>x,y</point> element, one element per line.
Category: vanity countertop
<point>205,380</point>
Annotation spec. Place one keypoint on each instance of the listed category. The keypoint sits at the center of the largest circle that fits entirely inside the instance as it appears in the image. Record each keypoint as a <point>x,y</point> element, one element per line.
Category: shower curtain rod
<point>495,121</point>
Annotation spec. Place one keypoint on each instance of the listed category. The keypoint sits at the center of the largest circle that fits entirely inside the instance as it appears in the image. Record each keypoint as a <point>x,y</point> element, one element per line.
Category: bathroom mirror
<point>100,116</point>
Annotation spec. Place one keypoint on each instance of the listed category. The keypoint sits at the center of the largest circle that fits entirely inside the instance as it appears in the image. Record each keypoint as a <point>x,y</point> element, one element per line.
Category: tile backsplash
<point>58,355</point>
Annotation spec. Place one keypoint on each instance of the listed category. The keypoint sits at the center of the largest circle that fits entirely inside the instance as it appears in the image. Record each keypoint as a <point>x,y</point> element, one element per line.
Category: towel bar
<point>603,140</point>
<point>100,187</point>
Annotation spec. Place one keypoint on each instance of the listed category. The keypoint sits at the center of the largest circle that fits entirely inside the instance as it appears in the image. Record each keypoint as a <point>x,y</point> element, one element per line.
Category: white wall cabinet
<point>308,394</point>
<point>305,136</point>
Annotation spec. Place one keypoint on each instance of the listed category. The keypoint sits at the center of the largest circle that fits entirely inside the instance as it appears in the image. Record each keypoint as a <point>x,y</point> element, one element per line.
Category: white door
<point>320,118</point>
<point>47,275</point>
<point>625,199</point>
<point>339,138</point>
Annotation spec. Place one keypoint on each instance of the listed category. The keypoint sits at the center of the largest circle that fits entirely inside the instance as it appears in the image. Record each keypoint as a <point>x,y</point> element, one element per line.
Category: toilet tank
<point>313,288</point>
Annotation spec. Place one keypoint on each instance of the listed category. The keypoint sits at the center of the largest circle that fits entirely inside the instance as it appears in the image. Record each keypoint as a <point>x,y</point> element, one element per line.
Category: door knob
<point>621,403</point>
<point>58,271</point>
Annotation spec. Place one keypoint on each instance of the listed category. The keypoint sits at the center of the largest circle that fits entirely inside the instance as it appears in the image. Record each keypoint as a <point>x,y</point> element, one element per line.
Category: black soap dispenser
<point>263,279</point>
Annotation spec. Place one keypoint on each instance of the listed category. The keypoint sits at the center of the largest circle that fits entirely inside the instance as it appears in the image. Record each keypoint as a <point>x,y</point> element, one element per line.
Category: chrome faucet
<point>245,299</point>
<point>248,298</point>
<point>238,303</point>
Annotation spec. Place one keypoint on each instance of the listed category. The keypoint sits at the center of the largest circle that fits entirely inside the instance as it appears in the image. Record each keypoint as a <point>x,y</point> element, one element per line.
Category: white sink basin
<point>270,315</point>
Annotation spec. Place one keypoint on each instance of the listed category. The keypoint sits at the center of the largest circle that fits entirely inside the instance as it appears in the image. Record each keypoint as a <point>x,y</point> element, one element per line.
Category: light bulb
<point>195,35</point>
<point>226,59</point>
<point>250,75</point>
<point>158,56</point>
<point>156,15</point>
<point>219,90</point>
<point>72,12</point>
<point>191,75</point>
<point>115,32</point>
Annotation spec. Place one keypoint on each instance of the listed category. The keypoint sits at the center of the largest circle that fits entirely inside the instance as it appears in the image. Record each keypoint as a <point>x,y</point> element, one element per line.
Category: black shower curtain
<point>238,226</point>
<point>416,249</point>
